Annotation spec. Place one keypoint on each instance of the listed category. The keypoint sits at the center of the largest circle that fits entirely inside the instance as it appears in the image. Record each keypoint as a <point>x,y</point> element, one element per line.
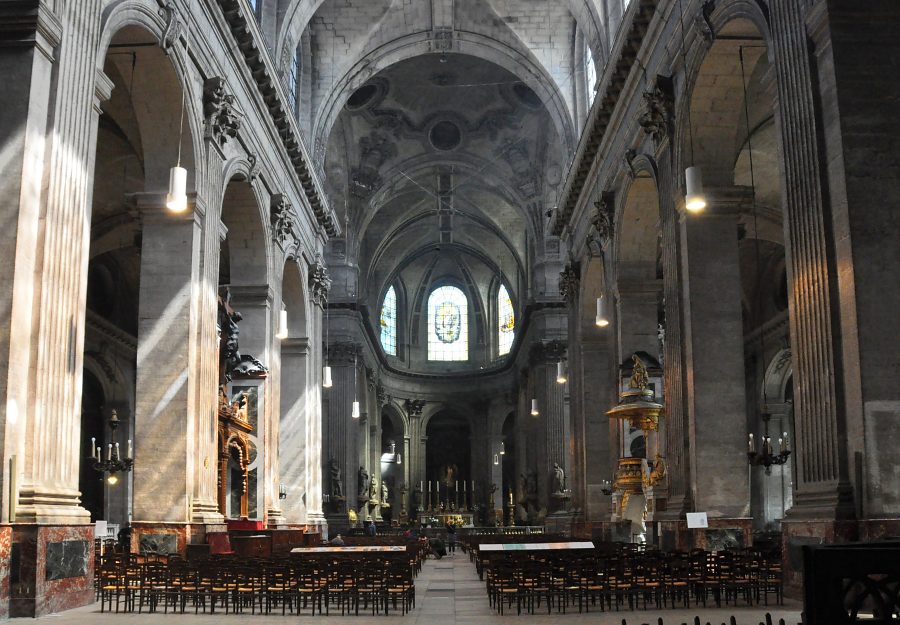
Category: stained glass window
<point>506,321</point>
<point>448,324</point>
<point>388,322</point>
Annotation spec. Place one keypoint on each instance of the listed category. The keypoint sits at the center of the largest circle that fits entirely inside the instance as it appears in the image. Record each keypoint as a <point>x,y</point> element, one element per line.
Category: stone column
<point>674,373</point>
<point>47,182</point>
<point>165,410</point>
<point>822,488</point>
<point>340,431</point>
<point>554,428</point>
<point>293,450</point>
<point>714,356</point>
<point>598,382</point>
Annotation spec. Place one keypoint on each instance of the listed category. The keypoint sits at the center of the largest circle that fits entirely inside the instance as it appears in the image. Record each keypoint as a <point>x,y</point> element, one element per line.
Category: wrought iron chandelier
<point>766,456</point>
<point>114,462</point>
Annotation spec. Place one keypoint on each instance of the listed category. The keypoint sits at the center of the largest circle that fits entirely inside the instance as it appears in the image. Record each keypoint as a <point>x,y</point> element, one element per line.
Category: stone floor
<point>449,593</point>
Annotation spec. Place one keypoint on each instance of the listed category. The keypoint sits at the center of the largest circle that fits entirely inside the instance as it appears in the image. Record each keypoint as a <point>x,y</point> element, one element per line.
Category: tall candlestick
<point>98,452</point>
<point>751,444</point>
<point>116,456</point>
<point>787,446</point>
<point>93,442</point>
<point>109,452</point>
<point>130,449</point>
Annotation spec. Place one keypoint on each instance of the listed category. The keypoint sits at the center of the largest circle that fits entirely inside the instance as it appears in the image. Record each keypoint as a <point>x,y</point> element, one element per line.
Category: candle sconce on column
<point>114,462</point>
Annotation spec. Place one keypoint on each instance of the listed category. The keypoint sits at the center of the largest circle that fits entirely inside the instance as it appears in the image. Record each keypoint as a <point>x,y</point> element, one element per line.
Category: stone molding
<point>602,224</point>
<point>657,115</point>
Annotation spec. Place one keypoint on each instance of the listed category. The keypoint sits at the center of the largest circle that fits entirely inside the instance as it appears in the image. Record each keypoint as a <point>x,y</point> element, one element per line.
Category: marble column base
<point>54,568</point>
<point>5,552</point>
<point>722,533</point>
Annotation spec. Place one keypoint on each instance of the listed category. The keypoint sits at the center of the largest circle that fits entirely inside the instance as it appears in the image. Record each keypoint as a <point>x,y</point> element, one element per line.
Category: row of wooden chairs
<point>296,583</point>
<point>636,580</point>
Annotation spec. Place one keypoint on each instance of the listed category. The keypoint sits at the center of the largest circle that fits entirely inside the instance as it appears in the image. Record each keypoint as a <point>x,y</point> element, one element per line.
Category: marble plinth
<point>52,569</point>
<point>722,533</point>
<point>5,553</point>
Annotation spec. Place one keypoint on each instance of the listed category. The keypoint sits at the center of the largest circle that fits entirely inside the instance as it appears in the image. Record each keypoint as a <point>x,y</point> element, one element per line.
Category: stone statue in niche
<point>363,477</point>
<point>385,494</point>
<point>373,489</point>
<point>557,479</point>
<point>337,484</point>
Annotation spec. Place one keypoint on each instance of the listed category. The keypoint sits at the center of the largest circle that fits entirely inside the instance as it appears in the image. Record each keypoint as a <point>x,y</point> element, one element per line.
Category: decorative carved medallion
<point>319,283</point>
<point>568,282</point>
<point>223,119</point>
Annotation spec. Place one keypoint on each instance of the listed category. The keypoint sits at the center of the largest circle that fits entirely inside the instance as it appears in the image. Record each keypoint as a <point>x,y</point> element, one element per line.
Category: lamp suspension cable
<point>176,201</point>
<point>694,198</point>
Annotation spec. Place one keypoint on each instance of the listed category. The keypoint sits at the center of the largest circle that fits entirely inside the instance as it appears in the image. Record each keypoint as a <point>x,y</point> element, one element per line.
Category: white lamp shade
<point>502,448</point>
<point>561,372</point>
<point>326,376</point>
<point>282,324</point>
<point>600,320</point>
<point>694,200</point>
<point>534,408</point>
<point>355,411</point>
<point>176,201</point>
<point>496,459</point>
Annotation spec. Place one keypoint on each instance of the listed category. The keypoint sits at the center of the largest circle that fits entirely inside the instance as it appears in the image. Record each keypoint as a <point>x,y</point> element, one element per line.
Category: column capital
<point>251,294</point>
<point>344,353</point>
<point>546,352</point>
<point>295,346</point>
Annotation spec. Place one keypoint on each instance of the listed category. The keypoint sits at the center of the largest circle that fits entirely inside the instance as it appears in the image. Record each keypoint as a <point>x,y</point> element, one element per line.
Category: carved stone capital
<point>319,283</point>
<point>344,353</point>
<point>414,407</point>
<point>547,352</point>
<point>223,119</point>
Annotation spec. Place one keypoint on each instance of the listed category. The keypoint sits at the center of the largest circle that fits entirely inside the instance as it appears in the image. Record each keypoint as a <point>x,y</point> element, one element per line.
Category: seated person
<point>337,541</point>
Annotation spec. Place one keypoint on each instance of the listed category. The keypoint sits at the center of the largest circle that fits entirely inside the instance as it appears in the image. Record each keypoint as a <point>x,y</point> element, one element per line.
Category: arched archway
<point>448,454</point>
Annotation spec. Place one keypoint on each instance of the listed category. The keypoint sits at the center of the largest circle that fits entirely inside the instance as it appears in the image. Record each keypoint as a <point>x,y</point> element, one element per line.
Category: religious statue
<point>657,471</point>
<point>363,477</point>
<point>337,484</point>
<point>384,492</point>
<point>557,479</point>
<point>373,489</point>
<point>229,355</point>
<point>639,378</point>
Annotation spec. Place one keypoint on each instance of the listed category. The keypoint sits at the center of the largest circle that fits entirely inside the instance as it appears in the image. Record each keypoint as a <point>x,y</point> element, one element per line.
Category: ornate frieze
<point>319,283</point>
<point>223,119</point>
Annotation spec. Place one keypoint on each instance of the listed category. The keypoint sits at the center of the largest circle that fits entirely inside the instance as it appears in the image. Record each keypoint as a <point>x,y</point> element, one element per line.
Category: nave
<point>448,592</point>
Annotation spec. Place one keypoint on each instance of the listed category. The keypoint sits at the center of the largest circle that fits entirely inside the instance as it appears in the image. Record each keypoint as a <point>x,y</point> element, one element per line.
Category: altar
<point>459,519</point>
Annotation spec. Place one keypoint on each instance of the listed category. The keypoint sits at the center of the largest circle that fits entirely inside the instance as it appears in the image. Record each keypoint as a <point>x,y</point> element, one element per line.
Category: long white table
<point>351,549</point>
<point>536,546</point>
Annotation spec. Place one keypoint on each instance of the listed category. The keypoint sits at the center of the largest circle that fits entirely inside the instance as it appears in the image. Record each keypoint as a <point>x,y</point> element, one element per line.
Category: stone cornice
<point>266,77</point>
<point>600,115</point>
